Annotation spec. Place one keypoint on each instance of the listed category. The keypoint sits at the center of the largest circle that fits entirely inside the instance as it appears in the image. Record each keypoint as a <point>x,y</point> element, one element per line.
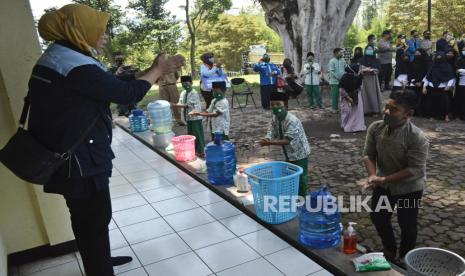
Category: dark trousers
<point>437,103</point>
<point>90,218</point>
<point>265,95</point>
<point>208,97</point>
<point>385,75</point>
<point>407,213</point>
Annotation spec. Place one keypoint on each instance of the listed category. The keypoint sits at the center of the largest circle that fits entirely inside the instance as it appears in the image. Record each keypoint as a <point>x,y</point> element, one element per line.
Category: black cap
<point>219,84</point>
<point>278,96</point>
<point>186,79</point>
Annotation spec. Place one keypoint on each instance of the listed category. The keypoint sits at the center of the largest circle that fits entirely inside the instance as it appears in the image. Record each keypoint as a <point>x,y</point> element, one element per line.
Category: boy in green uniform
<point>218,111</point>
<point>336,69</point>
<point>312,75</point>
<point>190,102</point>
<point>286,130</point>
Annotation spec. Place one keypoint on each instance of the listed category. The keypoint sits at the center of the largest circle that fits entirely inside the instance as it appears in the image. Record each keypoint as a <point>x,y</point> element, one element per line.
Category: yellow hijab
<point>79,24</point>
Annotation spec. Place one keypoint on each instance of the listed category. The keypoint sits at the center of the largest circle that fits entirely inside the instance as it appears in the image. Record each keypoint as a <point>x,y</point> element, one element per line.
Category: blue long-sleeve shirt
<point>412,48</point>
<point>266,70</point>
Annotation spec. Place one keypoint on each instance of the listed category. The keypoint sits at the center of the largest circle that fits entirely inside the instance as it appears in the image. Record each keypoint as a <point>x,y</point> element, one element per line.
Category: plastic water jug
<point>320,226</point>
<point>220,158</point>
<point>160,116</point>
<point>138,121</point>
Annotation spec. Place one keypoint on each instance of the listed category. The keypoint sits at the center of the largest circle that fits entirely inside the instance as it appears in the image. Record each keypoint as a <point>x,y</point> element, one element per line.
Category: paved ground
<point>337,163</point>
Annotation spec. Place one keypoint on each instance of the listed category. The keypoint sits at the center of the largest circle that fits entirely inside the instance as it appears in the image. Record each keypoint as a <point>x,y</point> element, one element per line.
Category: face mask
<point>310,59</point>
<point>187,86</point>
<point>211,60</point>
<point>266,59</point>
<point>402,40</point>
<point>218,95</point>
<point>463,53</point>
<point>393,121</point>
<point>369,52</point>
<point>119,62</point>
<point>280,112</point>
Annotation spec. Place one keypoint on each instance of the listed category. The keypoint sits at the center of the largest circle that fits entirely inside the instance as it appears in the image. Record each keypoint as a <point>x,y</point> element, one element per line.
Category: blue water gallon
<point>160,116</point>
<point>220,157</point>
<point>320,220</point>
<point>138,121</point>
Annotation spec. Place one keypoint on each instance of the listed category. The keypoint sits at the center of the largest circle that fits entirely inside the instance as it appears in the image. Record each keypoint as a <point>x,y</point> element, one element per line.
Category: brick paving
<point>336,162</point>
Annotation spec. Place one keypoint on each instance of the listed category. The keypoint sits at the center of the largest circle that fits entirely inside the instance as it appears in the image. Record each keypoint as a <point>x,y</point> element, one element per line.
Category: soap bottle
<point>350,239</point>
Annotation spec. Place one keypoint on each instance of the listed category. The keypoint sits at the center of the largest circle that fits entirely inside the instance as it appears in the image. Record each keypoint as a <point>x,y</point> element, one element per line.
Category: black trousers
<point>385,75</point>
<point>265,95</point>
<point>208,97</point>
<point>407,213</point>
<point>90,217</point>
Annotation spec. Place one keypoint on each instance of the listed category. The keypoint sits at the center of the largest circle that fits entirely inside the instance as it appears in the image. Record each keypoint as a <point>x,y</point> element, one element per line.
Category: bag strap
<point>83,136</point>
<point>65,155</point>
<point>24,112</point>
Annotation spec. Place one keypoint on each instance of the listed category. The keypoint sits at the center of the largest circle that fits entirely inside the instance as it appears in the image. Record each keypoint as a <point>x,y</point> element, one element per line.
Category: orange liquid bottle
<point>350,239</point>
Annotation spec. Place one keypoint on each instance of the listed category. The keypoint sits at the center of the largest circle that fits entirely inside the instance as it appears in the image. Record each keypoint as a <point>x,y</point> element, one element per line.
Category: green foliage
<point>231,35</point>
<point>357,37</point>
<point>405,15</point>
<point>154,29</point>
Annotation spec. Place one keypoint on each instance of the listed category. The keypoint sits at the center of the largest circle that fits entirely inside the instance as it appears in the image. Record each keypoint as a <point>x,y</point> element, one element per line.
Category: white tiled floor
<point>173,225</point>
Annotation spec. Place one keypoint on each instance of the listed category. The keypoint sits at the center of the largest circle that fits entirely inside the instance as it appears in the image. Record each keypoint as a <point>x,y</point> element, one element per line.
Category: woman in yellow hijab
<point>79,24</point>
<point>70,94</point>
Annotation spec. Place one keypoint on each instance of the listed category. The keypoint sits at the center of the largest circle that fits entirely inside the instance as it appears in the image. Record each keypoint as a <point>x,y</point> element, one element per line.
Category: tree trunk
<point>190,27</point>
<point>316,26</point>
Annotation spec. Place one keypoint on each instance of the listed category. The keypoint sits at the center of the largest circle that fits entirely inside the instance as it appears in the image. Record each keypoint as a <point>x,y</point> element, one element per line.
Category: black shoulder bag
<point>29,159</point>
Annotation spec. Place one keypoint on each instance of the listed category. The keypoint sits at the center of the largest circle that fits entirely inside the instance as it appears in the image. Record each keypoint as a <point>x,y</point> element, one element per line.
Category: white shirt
<point>450,83</point>
<point>462,77</point>
<point>222,122</point>
<point>193,104</point>
<point>312,74</point>
<point>401,80</point>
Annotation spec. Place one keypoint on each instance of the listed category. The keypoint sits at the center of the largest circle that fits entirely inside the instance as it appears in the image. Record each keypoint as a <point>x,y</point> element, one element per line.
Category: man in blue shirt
<point>268,72</point>
<point>413,45</point>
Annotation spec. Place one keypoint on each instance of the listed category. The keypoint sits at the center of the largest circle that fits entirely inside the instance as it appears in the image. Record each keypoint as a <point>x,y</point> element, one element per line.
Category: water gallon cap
<point>159,104</point>
<point>351,229</point>
<point>218,138</point>
<point>137,112</point>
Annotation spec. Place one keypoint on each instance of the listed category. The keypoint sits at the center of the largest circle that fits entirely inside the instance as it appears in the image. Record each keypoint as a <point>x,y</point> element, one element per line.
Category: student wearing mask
<point>286,130</point>
<point>358,54</point>
<point>442,45</point>
<point>402,73</point>
<point>419,69</point>
<point>218,112</point>
<point>426,43</point>
<point>413,45</point>
<point>352,117</point>
<point>371,91</point>
<point>451,58</point>
<point>312,73</point>
<point>371,41</point>
<point>395,157</point>
<point>439,80</point>
<point>209,72</point>
<point>189,101</point>
<point>385,51</point>
<point>268,79</point>
<point>336,69</point>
